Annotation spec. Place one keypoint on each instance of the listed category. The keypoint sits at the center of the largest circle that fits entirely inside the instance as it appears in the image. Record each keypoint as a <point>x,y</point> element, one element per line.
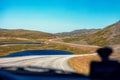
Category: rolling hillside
<point>76,32</point>
<point>110,35</point>
<point>23,35</point>
<point>47,39</point>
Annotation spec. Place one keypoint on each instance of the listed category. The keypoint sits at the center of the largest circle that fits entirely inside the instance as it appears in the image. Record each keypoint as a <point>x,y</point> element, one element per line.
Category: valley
<point>80,43</point>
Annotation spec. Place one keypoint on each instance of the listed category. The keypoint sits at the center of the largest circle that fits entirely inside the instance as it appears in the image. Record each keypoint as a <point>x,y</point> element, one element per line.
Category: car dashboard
<point>37,73</point>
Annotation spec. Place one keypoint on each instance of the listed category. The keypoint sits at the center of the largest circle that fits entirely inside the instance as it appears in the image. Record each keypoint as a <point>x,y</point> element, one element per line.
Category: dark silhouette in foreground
<point>105,69</point>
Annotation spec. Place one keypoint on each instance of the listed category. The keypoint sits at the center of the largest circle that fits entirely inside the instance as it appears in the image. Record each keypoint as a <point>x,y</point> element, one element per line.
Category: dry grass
<point>76,49</point>
<point>81,63</point>
<point>4,50</point>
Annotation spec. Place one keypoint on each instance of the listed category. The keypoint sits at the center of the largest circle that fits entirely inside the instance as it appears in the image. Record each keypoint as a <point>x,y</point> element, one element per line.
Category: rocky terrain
<point>76,32</point>
<point>109,35</point>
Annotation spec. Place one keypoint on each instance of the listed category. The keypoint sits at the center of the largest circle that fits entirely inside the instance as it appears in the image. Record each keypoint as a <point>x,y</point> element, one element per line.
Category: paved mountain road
<point>45,61</point>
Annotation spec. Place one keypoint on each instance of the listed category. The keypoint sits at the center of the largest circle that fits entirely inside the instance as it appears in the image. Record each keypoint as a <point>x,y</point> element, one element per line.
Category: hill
<point>24,35</point>
<point>76,32</point>
<point>49,42</point>
<point>110,35</point>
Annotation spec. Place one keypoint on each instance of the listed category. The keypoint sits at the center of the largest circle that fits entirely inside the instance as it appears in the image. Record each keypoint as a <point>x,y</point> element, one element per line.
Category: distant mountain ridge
<point>76,32</point>
<point>110,35</point>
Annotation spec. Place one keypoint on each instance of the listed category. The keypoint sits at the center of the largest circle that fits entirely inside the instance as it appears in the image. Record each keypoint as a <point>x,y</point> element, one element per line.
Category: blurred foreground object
<point>106,69</point>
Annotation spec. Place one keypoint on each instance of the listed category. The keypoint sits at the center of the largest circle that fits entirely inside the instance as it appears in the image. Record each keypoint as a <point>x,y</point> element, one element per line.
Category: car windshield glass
<point>58,34</point>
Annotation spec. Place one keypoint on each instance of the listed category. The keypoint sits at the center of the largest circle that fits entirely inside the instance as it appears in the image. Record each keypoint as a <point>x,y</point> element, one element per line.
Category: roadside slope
<point>20,35</point>
<point>107,36</point>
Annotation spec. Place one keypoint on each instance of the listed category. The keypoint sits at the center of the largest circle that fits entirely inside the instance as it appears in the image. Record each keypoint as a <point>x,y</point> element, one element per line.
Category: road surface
<point>45,61</point>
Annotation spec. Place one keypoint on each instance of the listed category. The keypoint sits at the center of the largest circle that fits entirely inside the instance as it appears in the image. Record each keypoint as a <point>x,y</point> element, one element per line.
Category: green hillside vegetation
<point>107,36</point>
<point>25,34</point>
<point>12,36</point>
<point>4,50</point>
<point>99,38</point>
<point>76,32</point>
<point>12,40</point>
<point>77,38</point>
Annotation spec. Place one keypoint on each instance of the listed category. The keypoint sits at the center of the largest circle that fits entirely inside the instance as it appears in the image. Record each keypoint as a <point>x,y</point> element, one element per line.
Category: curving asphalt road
<point>45,61</point>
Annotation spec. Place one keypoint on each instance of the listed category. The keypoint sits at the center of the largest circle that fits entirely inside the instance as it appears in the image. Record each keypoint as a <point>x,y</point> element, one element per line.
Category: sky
<point>55,16</point>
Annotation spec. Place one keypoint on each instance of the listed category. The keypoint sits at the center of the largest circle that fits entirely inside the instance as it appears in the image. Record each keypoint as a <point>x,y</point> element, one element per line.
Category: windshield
<point>57,34</point>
